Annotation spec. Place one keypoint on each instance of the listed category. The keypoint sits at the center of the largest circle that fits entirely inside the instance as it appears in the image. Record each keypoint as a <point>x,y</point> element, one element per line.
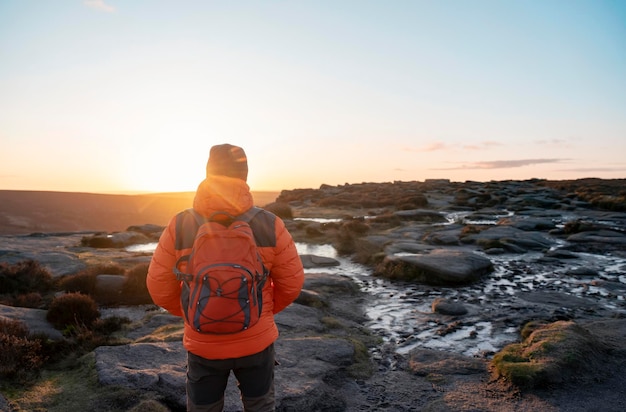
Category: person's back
<point>249,353</point>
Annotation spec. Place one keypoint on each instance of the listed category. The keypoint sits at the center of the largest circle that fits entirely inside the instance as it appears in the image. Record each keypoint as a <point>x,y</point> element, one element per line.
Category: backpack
<point>222,286</point>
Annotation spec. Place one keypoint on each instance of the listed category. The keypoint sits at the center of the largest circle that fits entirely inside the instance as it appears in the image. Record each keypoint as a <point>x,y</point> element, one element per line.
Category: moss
<point>362,367</point>
<point>331,322</point>
<point>550,354</point>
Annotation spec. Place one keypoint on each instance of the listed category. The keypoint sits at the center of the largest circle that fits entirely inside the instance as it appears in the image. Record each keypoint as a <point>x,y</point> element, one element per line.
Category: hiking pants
<point>207,380</point>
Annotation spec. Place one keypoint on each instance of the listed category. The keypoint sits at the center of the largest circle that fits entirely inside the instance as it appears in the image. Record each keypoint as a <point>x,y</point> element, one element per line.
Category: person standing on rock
<point>248,353</point>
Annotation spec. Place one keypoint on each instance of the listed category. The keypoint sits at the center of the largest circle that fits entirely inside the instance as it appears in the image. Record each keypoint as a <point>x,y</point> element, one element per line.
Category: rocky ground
<point>460,242</point>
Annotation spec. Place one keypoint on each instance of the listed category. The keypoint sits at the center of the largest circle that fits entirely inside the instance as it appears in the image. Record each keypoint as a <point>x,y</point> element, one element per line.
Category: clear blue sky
<point>112,95</point>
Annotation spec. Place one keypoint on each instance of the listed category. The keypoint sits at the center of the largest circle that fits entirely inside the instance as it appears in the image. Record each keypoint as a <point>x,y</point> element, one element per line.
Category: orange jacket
<point>221,193</point>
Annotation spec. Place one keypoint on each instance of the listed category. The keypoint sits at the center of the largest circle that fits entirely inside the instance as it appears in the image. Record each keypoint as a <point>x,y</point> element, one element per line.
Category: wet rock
<point>555,299</point>
<point>439,267</point>
<point>582,271</point>
<point>448,307</point>
<point>528,223</point>
<point>561,254</point>
<point>421,215</point>
<point>447,237</point>
<point>599,236</point>
<point>510,238</point>
<point>313,261</point>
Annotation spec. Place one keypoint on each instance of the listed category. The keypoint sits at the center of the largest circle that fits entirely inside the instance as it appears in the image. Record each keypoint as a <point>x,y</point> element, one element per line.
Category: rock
<point>561,254</point>
<point>34,319</point>
<point>527,223</point>
<point>555,299</point>
<point>313,261</point>
<point>161,366</point>
<point>158,367</point>
<point>109,287</point>
<point>311,298</point>
<point>599,236</point>
<point>439,267</point>
<point>421,215</point>
<point>147,229</point>
<point>447,237</point>
<point>424,362</point>
<point>553,354</point>
<point>582,271</point>
<point>510,238</point>
<point>447,307</point>
<point>4,404</point>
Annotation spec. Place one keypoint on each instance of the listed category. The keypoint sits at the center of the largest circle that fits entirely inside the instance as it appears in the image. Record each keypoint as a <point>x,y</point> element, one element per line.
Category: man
<point>249,353</point>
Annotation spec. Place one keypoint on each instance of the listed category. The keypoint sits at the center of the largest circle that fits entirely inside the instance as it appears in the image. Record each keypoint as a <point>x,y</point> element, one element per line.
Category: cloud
<point>502,164</point>
<point>432,147</point>
<point>438,145</point>
<point>482,145</point>
<point>99,5</point>
<point>594,169</point>
<point>558,143</point>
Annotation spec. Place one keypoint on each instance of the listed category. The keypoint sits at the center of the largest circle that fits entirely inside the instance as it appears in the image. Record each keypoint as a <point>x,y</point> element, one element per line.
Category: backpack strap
<point>188,221</point>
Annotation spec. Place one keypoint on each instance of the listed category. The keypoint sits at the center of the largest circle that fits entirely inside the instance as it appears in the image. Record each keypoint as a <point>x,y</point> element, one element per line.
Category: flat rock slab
<point>439,267</point>
<point>34,319</point>
<point>161,367</point>
<point>313,261</point>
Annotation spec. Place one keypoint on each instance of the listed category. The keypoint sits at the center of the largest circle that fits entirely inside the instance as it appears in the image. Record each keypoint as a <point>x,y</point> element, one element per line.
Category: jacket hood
<point>222,193</point>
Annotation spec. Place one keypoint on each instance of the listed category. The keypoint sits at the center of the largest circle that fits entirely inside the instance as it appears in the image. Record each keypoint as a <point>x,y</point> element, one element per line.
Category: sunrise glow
<point>112,96</point>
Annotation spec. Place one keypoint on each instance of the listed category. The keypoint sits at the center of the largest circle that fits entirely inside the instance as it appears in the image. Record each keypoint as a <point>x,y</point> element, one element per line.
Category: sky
<point>120,96</point>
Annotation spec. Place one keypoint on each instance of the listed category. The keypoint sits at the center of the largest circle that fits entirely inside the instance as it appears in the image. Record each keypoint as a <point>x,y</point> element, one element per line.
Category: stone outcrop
<point>439,267</point>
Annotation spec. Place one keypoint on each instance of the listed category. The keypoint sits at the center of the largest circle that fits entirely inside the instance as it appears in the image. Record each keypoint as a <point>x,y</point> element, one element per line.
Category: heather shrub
<point>13,328</point>
<point>24,277</point>
<point>85,281</point>
<point>82,282</point>
<point>18,354</point>
<point>72,310</point>
<point>345,243</point>
<point>358,227</point>
<point>28,300</point>
<point>135,291</point>
<point>109,325</point>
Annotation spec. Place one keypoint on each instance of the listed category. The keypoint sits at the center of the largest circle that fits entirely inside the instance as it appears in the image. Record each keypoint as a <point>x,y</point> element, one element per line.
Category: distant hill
<point>24,212</point>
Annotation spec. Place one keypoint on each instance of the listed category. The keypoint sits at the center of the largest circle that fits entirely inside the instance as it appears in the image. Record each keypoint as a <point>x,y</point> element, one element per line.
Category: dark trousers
<point>207,380</point>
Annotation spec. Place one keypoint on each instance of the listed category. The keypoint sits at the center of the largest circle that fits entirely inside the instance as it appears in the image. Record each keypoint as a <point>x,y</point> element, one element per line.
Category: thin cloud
<point>482,145</point>
<point>432,147</point>
<point>559,143</point>
<point>503,164</point>
<point>99,5</point>
<point>595,169</point>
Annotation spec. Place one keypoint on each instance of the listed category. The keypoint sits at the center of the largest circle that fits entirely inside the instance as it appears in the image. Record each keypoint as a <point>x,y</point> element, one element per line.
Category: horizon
<point>111,97</point>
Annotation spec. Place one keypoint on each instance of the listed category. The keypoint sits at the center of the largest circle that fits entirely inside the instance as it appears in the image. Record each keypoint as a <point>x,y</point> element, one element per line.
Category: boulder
<point>34,319</point>
<point>510,238</point>
<point>448,307</point>
<point>313,261</point>
<point>439,267</point>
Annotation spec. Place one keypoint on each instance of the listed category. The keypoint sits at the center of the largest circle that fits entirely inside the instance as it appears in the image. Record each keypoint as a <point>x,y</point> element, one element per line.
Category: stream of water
<point>401,312</point>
